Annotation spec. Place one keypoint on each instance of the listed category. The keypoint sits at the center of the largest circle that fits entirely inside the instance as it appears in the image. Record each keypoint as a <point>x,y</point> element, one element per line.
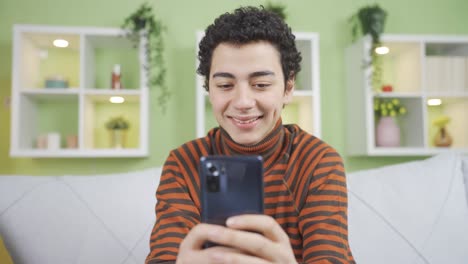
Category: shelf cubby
<point>456,109</point>
<point>41,115</point>
<point>401,67</point>
<point>40,59</point>
<point>99,111</point>
<point>102,53</point>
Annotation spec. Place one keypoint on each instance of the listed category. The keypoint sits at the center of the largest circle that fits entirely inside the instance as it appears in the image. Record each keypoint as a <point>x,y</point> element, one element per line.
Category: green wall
<point>327,17</point>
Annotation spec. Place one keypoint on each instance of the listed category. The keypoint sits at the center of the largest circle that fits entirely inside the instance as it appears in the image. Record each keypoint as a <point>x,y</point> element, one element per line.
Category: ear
<point>289,90</point>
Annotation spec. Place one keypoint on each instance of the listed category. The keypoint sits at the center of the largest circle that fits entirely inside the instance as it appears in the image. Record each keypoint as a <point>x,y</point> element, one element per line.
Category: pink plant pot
<point>387,132</point>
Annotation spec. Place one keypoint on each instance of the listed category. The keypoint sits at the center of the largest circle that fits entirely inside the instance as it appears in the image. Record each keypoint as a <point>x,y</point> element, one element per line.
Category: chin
<point>245,140</point>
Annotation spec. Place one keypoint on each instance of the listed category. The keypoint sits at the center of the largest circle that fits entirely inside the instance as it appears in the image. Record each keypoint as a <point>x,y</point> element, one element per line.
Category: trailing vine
<point>371,20</point>
<point>143,24</point>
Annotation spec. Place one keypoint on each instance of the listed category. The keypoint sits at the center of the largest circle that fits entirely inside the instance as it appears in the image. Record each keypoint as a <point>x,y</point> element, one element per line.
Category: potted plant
<point>279,9</point>
<point>387,129</point>
<point>442,138</point>
<point>118,127</point>
<point>370,20</point>
<point>142,24</point>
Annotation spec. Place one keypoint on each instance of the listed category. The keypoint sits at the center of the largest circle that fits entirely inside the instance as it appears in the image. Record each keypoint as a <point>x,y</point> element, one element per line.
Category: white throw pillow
<point>78,219</point>
<point>414,212</point>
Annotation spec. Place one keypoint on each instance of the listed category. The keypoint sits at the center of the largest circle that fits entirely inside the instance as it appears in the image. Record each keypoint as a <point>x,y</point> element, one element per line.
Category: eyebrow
<point>252,75</point>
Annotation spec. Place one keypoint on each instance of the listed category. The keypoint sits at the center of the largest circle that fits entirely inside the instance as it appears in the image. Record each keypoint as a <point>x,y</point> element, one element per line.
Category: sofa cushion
<point>78,219</point>
<point>414,212</point>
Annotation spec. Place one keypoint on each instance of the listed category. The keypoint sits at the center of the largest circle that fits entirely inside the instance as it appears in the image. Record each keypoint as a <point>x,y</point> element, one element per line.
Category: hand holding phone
<point>231,186</point>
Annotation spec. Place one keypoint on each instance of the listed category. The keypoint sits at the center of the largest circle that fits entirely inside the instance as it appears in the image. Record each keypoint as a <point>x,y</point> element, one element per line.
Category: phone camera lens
<point>212,180</point>
<point>212,168</point>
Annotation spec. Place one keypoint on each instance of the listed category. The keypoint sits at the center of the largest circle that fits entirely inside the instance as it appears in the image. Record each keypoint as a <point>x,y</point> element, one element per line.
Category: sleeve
<point>323,220</point>
<point>176,213</point>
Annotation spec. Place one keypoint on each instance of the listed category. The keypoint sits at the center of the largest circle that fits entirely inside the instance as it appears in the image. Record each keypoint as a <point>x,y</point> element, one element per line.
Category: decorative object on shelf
<point>371,20</point>
<point>142,23</point>
<point>56,81</point>
<point>279,9</point>
<point>116,83</point>
<point>387,88</point>
<point>41,142</point>
<point>118,127</point>
<point>72,141</point>
<point>442,137</point>
<point>50,141</point>
<point>53,141</point>
<point>387,130</point>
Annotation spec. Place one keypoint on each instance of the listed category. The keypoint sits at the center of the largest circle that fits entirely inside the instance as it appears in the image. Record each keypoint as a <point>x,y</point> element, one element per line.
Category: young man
<point>249,60</point>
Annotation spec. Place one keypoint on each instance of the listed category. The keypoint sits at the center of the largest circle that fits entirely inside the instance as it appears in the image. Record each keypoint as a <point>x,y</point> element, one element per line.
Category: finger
<point>249,242</point>
<point>198,235</point>
<point>236,258</point>
<point>202,256</point>
<point>208,256</point>
<point>191,251</point>
<point>260,223</point>
<point>222,250</point>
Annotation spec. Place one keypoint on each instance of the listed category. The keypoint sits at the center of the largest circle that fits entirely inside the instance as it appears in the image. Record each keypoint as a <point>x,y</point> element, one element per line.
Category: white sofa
<point>409,213</point>
<point>414,212</point>
<point>78,219</point>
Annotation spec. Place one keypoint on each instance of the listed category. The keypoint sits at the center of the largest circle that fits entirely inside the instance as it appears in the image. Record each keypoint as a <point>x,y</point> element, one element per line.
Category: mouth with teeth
<point>245,122</point>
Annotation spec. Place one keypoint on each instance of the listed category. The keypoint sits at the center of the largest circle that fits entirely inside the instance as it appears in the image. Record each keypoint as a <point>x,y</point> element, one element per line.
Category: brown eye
<point>224,86</point>
<point>261,85</point>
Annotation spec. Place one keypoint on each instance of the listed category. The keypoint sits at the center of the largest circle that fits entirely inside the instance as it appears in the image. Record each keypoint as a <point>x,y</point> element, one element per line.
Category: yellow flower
<point>441,121</point>
<point>388,107</point>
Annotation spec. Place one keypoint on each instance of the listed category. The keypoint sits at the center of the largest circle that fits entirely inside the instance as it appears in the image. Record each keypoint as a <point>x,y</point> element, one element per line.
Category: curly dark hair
<point>246,25</point>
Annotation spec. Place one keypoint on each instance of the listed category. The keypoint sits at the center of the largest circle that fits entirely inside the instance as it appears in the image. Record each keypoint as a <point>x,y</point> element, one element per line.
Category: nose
<point>244,97</point>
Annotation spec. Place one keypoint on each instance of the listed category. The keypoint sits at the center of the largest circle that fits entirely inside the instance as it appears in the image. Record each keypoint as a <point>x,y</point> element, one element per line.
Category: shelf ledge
<point>74,153</point>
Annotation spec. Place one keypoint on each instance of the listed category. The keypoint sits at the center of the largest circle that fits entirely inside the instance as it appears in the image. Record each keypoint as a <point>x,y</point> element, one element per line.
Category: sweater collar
<point>266,147</point>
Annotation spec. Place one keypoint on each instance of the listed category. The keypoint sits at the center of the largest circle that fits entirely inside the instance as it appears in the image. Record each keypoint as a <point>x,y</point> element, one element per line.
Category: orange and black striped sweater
<point>304,190</point>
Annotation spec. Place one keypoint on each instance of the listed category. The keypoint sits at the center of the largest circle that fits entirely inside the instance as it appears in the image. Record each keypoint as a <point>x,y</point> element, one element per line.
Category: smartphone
<point>230,185</point>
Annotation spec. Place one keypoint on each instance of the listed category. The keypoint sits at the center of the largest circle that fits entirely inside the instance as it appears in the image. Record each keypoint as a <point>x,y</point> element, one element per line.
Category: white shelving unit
<point>305,108</point>
<point>83,108</point>
<point>419,68</point>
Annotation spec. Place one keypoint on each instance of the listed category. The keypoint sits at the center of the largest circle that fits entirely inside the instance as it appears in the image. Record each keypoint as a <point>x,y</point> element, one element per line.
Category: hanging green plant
<point>142,23</point>
<point>279,9</point>
<point>371,20</point>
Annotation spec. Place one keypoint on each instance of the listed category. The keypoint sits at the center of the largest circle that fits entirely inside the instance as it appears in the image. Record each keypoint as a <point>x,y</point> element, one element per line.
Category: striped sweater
<point>304,190</point>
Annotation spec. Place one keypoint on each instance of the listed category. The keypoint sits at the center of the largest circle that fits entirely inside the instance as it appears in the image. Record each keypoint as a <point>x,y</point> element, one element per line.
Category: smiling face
<point>247,90</point>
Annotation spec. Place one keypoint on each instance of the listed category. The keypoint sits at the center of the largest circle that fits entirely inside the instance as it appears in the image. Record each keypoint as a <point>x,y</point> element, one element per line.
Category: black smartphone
<point>230,185</point>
